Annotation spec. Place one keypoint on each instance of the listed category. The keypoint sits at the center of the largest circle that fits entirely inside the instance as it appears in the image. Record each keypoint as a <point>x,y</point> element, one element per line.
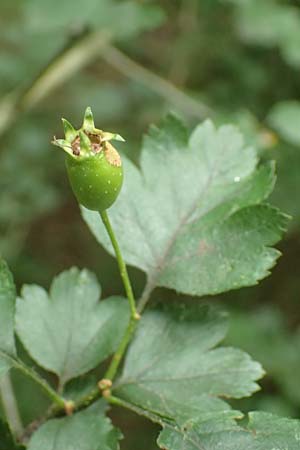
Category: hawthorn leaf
<point>173,356</point>
<point>214,431</point>
<point>68,331</point>
<point>192,218</point>
<point>7,313</point>
<point>85,430</point>
<point>80,387</point>
<point>284,117</point>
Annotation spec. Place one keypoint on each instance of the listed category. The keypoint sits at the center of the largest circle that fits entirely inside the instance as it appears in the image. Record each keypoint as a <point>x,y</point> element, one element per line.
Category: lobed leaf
<point>173,369</point>
<point>86,430</point>
<point>214,431</point>
<point>191,217</point>
<point>68,331</point>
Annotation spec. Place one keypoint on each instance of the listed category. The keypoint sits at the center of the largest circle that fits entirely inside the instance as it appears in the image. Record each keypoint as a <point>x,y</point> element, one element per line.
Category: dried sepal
<point>65,145</point>
<point>107,136</point>
<point>86,139</point>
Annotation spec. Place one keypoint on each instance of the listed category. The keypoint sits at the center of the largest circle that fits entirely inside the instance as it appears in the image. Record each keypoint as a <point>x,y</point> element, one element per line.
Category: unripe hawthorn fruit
<point>94,166</point>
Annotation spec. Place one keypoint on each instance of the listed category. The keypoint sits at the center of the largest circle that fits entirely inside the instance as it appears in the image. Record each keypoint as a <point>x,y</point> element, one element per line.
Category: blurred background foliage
<point>232,60</point>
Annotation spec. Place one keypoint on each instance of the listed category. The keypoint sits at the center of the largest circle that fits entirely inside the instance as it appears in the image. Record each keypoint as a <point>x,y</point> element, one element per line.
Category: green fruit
<point>95,181</point>
<point>94,166</point>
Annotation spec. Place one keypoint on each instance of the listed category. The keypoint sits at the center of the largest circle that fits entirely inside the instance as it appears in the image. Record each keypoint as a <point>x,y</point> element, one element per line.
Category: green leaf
<point>86,430</point>
<point>220,431</point>
<point>191,217</point>
<point>7,313</point>
<point>68,331</point>
<point>6,440</point>
<point>80,387</point>
<point>173,357</point>
<point>285,118</point>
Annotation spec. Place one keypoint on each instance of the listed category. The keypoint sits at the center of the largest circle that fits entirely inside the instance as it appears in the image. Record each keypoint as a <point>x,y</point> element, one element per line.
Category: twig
<point>77,56</point>
<point>30,373</point>
<point>154,82</point>
<point>59,70</point>
<point>155,418</point>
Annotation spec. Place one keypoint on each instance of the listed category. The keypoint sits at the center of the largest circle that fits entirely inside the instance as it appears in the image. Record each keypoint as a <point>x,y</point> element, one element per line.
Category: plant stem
<point>134,316</point>
<point>30,373</point>
<point>116,359</point>
<point>10,406</point>
<point>52,394</point>
<point>156,83</point>
<point>164,422</point>
<point>69,61</point>
<point>121,264</point>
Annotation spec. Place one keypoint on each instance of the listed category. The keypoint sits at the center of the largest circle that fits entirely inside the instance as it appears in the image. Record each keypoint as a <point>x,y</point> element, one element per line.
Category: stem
<point>156,83</point>
<point>116,359</point>
<point>121,264</point>
<point>59,70</point>
<point>134,316</point>
<point>30,373</point>
<point>63,67</point>
<point>52,394</point>
<point>78,54</point>
<point>10,406</point>
<point>164,422</point>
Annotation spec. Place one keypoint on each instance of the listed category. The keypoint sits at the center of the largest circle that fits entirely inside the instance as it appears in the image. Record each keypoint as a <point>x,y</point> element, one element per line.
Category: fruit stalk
<point>134,315</point>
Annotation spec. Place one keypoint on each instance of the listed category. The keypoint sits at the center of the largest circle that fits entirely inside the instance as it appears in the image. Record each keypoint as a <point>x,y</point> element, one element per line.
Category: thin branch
<point>58,71</point>
<point>154,82</point>
<point>155,418</point>
<point>30,373</point>
<point>69,61</point>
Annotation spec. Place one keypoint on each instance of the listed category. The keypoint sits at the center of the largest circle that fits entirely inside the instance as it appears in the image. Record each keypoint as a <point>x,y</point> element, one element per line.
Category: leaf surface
<point>68,331</point>
<point>86,430</point>
<point>214,431</point>
<point>191,218</point>
<point>173,368</point>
